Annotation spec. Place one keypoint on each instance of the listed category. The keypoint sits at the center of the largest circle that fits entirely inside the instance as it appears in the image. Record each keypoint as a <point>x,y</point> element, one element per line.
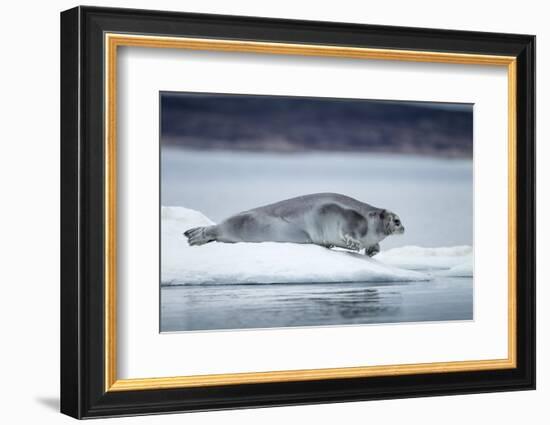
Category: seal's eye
<point>397,222</point>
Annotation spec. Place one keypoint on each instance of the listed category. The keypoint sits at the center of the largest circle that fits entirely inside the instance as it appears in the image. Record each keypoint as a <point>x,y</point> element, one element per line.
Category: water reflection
<point>185,308</point>
<point>352,303</point>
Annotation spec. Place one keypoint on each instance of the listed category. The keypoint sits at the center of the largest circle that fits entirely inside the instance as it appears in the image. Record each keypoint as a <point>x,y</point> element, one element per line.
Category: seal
<point>325,219</point>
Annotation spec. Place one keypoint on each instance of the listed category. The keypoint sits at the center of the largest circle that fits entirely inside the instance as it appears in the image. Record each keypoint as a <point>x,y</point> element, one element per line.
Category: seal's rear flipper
<point>200,235</point>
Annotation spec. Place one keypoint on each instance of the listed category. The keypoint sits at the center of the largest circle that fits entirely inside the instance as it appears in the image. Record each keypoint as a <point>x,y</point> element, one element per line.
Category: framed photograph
<point>261,212</point>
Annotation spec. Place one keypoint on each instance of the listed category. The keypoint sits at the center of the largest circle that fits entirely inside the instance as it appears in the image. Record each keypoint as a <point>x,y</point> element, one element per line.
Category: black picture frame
<point>83,392</point>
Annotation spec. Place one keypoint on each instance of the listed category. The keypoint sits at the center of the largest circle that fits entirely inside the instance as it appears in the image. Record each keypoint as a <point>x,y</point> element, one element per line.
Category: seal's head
<point>389,222</point>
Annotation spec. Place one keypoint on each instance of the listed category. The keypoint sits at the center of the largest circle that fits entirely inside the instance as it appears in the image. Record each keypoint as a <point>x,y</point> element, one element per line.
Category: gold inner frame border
<point>111,43</point>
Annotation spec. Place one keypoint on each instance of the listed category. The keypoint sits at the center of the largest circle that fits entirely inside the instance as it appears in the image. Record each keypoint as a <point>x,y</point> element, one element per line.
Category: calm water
<point>282,305</point>
<point>432,196</point>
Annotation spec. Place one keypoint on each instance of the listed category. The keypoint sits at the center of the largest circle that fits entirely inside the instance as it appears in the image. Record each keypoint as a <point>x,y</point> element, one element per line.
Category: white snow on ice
<point>269,262</point>
<point>419,258</point>
<point>465,269</point>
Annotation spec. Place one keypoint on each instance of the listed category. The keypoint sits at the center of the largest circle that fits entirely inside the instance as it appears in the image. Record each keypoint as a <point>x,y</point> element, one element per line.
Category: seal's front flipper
<point>372,250</point>
<point>200,235</point>
<point>352,243</point>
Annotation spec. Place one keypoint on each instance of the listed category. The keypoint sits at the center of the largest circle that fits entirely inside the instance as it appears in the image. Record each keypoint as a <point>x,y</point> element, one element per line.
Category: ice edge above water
<point>269,262</point>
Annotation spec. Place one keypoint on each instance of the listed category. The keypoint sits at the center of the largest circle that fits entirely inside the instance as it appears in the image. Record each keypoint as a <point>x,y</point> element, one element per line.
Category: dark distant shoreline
<point>201,146</point>
<point>296,124</point>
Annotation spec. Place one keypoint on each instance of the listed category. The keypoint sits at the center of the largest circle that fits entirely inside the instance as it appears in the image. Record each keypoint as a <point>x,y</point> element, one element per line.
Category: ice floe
<point>269,262</point>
